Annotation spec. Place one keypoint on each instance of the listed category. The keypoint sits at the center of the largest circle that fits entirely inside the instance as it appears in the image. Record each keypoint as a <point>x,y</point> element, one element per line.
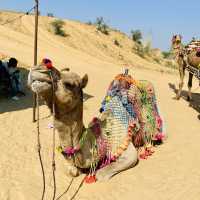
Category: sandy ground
<point>172,173</point>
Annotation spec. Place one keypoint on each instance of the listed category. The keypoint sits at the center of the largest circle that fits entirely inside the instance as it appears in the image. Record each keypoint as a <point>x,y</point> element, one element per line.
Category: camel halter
<point>53,149</point>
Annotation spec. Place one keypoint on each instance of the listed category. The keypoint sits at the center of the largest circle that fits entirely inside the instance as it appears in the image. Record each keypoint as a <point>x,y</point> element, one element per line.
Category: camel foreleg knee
<point>128,159</point>
<point>71,170</point>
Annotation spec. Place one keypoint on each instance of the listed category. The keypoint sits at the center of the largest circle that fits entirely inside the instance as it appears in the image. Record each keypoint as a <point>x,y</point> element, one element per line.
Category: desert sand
<point>171,173</point>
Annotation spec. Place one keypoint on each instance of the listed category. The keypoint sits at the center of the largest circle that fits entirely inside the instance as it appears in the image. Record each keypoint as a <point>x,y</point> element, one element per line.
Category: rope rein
<point>53,145</point>
<point>39,147</point>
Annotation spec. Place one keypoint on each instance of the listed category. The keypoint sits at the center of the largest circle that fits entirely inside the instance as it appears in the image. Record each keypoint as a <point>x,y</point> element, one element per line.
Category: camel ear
<point>65,70</point>
<point>84,81</point>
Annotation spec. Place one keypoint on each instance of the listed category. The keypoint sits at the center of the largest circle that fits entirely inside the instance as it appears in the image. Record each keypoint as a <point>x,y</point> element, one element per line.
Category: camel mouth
<point>39,75</point>
<point>40,86</point>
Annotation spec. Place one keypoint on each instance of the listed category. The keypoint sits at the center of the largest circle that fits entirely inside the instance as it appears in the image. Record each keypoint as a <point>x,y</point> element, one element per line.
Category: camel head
<point>68,86</point>
<point>176,41</point>
<point>69,89</point>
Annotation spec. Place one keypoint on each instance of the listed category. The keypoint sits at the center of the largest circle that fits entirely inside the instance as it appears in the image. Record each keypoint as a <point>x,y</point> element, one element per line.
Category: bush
<point>157,60</point>
<point>166,54</point>
<point>136,36</point>
<point>116,42</point>
<point>58,27</point>
<point>102,26</point>
<point>140,50</point>
<point>50,15</point>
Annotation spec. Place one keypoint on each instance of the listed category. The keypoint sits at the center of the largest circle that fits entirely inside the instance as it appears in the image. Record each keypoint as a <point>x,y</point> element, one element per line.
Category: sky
<point>157,19</point>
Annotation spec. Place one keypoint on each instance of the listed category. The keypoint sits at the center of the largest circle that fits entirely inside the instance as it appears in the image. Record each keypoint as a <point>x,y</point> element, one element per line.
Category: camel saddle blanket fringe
<point>129,113</point>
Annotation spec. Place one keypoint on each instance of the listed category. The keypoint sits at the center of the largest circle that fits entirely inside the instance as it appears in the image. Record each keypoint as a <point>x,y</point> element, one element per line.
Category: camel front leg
<point>127,160</point>
<point>189,98</point>
<point>182,74</point>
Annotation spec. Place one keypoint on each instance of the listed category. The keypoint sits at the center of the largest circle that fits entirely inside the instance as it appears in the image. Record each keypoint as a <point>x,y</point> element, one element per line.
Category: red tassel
<point>90,179</point>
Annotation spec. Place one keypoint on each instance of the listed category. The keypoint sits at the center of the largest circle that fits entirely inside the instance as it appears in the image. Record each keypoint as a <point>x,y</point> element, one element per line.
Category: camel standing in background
<point>86,148</point>
<point>184,58</point>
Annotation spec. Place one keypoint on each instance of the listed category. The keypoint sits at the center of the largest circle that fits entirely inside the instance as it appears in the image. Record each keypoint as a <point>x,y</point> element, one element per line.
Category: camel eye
<point>68,86</point>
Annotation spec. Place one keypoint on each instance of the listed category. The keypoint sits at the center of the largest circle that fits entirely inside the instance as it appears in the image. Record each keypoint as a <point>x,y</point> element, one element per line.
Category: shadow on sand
<point>9,105</point>
<point>25,102</point>
<point>194,103</point>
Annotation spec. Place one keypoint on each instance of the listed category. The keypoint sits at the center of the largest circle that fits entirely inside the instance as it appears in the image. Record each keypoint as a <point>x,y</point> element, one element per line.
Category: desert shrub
<point>136,36</point>
<point>166,54</point>
<point>116,42</point>
<point>156,60</point>
<point>140,50</point>
<point>50,15</point>
<point>58,27</point>
<point>102,26</point>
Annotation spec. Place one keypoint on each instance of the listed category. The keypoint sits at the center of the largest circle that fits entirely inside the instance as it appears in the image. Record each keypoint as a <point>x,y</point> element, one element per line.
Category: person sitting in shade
<point>10,72</point>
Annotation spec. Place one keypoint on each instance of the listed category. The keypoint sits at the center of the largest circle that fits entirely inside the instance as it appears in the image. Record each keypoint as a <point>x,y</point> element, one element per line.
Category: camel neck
<point>70,125</point>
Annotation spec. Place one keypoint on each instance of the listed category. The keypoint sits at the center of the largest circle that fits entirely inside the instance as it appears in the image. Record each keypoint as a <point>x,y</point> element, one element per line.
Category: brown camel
<point>184,58</point>
<point>73,134</point>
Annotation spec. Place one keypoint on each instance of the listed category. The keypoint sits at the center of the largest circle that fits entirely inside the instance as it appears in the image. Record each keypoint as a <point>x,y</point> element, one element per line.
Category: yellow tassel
<point>108,98</point>
<point>59,149</point>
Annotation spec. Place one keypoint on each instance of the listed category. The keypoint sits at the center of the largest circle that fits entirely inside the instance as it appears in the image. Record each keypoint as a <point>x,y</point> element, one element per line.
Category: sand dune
<point>172,173</point>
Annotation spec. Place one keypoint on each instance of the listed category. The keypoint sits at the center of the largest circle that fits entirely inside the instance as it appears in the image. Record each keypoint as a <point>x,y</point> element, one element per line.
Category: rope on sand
<point>53,145</point>
<point>39,147</point>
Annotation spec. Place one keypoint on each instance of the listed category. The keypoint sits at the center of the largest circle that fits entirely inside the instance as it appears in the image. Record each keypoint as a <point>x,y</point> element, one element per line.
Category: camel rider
<point>10,71</point>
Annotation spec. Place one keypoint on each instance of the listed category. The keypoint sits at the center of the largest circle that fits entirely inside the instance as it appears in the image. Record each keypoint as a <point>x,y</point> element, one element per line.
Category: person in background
<point>11,72</point>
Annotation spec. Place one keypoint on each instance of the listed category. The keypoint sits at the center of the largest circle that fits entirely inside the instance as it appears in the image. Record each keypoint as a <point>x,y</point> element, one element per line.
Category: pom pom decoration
<point>90,179</point>
<point>48,63</point>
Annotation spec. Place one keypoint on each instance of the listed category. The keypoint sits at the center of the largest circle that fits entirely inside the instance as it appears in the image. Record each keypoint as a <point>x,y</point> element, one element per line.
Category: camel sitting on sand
<point>184,56</point>
<point>108,145</point>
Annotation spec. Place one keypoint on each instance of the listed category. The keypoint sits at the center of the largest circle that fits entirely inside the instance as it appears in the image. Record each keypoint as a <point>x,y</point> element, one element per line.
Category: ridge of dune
<point>83,43</point>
